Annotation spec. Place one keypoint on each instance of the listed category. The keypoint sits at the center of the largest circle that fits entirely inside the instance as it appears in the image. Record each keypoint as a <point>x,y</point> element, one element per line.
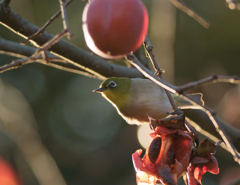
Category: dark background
<point>89,141</point>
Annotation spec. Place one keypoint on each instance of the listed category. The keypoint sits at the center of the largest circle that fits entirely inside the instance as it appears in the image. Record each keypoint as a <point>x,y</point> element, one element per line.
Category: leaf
<point>206,147</point>
<point>176,122</point>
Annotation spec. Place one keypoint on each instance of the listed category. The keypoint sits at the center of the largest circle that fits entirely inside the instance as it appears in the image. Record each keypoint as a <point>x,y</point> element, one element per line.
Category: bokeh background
<point>51,114</point>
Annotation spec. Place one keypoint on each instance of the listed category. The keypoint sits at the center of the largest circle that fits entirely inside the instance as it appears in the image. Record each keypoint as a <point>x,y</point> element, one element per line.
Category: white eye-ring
<point>112,84</point>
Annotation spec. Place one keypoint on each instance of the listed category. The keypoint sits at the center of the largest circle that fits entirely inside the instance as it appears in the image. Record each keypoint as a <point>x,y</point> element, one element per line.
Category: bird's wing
<point>184,104</point>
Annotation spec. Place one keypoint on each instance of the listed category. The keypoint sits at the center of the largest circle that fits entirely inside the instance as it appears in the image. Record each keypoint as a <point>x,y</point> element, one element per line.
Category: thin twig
<point>55,62</point>
<point>16,64</point>
<point>22,51</point>
<point>149,74</point>
<point>65,67</point>
<point>149,50</point>
<point>210,79</point>
<point>190,12</point>
<point>64,50</point>
<point>205,133</point>
<point>39,51</point>
<point>65,24</point>
<point>42,29</point>
<point>54,40</point>
<point>211,114</point>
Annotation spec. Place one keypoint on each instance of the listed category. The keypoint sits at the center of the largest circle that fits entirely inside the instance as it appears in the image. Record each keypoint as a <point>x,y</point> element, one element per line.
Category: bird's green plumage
<point>136,98</point>
<point>118,95</point>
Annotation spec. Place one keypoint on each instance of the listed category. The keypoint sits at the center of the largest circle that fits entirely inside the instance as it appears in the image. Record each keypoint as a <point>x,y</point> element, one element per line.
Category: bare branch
<point>68,68</point>
<point>42,29</point>
<point>211,114</point>
<point>190,12</point>
<point>149,50</point>
<point>208,80</point>
<point>68,52</point>
<point>65,24</point>
<point>149,74</point>
<point>16,64</point>
<point>23,51</point>
<point>206,134</point>
<point>204,123</point>
<point>21,62</point>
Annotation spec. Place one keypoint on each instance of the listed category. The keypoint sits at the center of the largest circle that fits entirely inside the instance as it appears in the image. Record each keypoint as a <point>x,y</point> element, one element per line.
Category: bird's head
<point>116,90</point>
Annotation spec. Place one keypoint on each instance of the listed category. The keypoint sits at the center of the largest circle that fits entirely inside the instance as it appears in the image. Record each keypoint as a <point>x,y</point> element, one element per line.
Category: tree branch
<point>190,12</point>
<point>96,65</point>
<point>42,29</point>
<point>68,52</point>
<point>36,54</point>
<point>149,49</point>
<point>211,114</point>
<point>64,19</point>
<point>204,123</point>
<point>23,51</point>
<point>149,74</point>
<point>208,80</point>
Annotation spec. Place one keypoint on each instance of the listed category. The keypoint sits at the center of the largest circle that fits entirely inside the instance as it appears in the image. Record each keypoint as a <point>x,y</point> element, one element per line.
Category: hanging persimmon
<point>114,28</point>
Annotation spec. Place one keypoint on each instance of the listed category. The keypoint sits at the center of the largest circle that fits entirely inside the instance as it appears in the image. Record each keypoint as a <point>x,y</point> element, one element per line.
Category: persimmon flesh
<point>114,28</point>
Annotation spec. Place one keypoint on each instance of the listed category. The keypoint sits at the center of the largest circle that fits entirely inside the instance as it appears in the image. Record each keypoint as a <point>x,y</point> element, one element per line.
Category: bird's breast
<point>148,99</point>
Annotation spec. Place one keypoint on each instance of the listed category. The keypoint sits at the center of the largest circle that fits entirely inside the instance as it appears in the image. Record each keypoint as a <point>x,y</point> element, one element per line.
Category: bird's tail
<point>184,104</point>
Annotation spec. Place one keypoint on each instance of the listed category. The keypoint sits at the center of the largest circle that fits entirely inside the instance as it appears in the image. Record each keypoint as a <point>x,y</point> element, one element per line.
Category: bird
<point>136,99</point>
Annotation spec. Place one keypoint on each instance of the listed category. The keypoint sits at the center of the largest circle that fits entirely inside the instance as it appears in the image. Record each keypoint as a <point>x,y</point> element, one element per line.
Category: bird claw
<point>176,112</point>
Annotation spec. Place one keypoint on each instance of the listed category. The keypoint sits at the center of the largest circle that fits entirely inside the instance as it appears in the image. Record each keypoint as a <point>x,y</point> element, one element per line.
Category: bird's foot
<point>176,112</point>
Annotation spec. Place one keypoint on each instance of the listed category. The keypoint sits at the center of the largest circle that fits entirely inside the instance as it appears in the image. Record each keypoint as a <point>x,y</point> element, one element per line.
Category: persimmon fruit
<point>114,28</point>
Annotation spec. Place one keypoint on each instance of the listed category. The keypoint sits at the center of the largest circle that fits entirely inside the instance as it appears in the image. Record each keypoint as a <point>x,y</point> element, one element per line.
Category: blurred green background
<point>86,137</point>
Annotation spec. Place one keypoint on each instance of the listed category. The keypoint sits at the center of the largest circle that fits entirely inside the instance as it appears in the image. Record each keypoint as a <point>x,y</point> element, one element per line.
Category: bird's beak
<point>99,90</point>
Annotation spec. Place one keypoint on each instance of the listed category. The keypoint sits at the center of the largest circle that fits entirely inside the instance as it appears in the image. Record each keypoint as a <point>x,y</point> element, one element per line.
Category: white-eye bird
<point>136,98</point>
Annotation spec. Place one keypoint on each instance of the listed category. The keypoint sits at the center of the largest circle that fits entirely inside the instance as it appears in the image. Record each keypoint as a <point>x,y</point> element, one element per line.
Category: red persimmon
<point>114,28</point>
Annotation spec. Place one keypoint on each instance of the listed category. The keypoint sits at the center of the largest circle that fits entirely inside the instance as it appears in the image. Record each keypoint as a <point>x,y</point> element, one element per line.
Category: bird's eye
<point>112,84</point>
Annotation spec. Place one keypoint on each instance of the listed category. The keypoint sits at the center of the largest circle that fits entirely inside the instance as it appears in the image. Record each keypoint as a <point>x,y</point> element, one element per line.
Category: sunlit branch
<point>20,62</point>
<point>208,80</point>
<point>42,29</point>
<point>23,51</point>
<point>205,133</point>
<point>211,114</point>
<point>66,51</point>
<point>149,51</point>
<point>190,12</point>
<point>149,74</point>
<point>65,23</point>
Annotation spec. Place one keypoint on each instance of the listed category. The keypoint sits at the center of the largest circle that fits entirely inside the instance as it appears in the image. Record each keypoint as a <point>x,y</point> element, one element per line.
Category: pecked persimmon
<point>114,28</point>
